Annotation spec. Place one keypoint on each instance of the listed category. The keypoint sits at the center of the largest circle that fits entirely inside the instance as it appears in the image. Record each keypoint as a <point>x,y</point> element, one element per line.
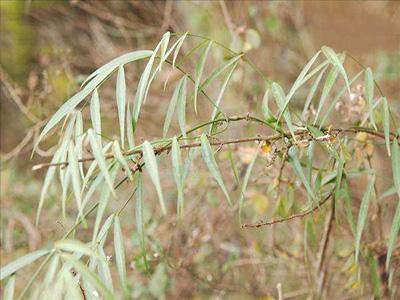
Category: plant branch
<point>282,220</point>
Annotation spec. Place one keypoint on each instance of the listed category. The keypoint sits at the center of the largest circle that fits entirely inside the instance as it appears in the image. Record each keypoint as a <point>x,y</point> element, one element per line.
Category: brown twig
<point>295,216</point>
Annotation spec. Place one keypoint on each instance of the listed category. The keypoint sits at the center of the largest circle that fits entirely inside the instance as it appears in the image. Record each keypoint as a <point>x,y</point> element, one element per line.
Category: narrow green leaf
<point>52,270</point>
<point>199,71</point>
<point>330,81</point>
<point>176,97</point>
<point>336,61</point>
<point>212,166</point>
<point>102,236</point>
<point>9,289</point>
<point>363,214</point>
<point>178,47</point>
<point>46,184</point>
<point>164,47</point>
<point>182,106</point>
<point>151,165</point>
<point>233,165</point>
<point>312,91</point>
<point>121,159</point>
<point>120,252</point>
<point>396,164</point>
<point>369,94</point>
<point>246,179</point>
<point>348,206</point>
<point>95,115</point>
<point>177,170</point>
<point>299,171</point>
<point>222,91</point>
<point>386,123</point>
<point>121,60</point>
<point>73,166</point>
<point>121,102</point>
<point>394,233</point>
<point>91,277</point>
<point>21,262</point>
<point>98,155</point>
<point>79,137</point>
<point>74,246</point>
<point>298,83</point>
<point>130,127</point>
<point>279,96</point>
<point>139,218</point>
<point>104,270</point>
<point>218,71</point>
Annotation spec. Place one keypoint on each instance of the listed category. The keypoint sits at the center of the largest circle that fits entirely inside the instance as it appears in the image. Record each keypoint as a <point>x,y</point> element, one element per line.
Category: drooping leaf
<point>99,156</point>
<point>91,277</point>
<point>152,168</point>
<point>177,170</point>
<point>164,47</point>
<point>121,102</point>
<point>394,233</point>
<point>120,252</point>
<point>363,214</point>
<point>386,123</point>
<point>279,96</point>
<point>139,219</point>
<point>104,270</point>
<point>79,137</point>
<point>74,246</point>
<point>121,159</point>
<point>299,170</point>
<point>212,166</point>
<point>369,94</point>
<point>102,236</point>
<point>72,288</point>
<point>21,262</point>
<point>199,72</point>
<point>312,91</point>
<point>396,164</point>
<point>130,127</point>
<point>179,43</point>
<point>246,179</point>
<point>95,114</point>
<point>177,97</point>
<point>298,83</point>
<point>9,289</point>
<point>73,167</point>
<point>182,107</point>
<point>52,270</point>
<point>336,61</point>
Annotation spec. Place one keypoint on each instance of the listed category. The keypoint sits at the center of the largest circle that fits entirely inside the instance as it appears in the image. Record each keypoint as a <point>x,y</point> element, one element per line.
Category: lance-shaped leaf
<point>182,107</point>
<point>9,289</point>
<point>311,92</point>
<point>164,47</point>
<point>104,270</point>
<point>79,137</point>
<point>95,115</point>
<point>299,171</point>
<point>177,97</point>
<point>222,91</point>
<point>51,270</point>
<point>369,94</point>
<point>121,159</point>
<point>119,252</point>
<point>336,61</point>
<point>386,123</point>
<point>46,184</point>
<point>396,164</point>
<point>199,72</point>
<point>99,156</point>
<point>330,81</point>
<point>72,288</point>
<point>139,218</point>
<point>394,233</point>
<point>21,262</point>
<point>179,43</point>
<point>121,60</point>
<point>121,102</point>
<point>218,71</point>
<point>363,214</point>
<point>279,96</point>
<point>212,166</point>
<point>130,127</point>
<point>151,166</point>
<point>74,246</point>
<point>246,179</point>
<point>88,275</point>
<point>177,170</point>
<point>73,167</point>
<point>298,83</point>
<point>70,104</point>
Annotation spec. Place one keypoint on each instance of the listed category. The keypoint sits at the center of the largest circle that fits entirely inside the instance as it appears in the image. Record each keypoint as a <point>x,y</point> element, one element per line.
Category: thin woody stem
<point>226,142</point>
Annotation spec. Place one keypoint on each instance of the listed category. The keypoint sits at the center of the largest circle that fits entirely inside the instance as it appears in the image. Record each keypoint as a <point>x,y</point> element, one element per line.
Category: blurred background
<point>49,47</point>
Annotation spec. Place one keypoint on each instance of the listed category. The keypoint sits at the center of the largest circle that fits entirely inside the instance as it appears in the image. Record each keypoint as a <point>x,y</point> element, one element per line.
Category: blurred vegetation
<point>49,47</point>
